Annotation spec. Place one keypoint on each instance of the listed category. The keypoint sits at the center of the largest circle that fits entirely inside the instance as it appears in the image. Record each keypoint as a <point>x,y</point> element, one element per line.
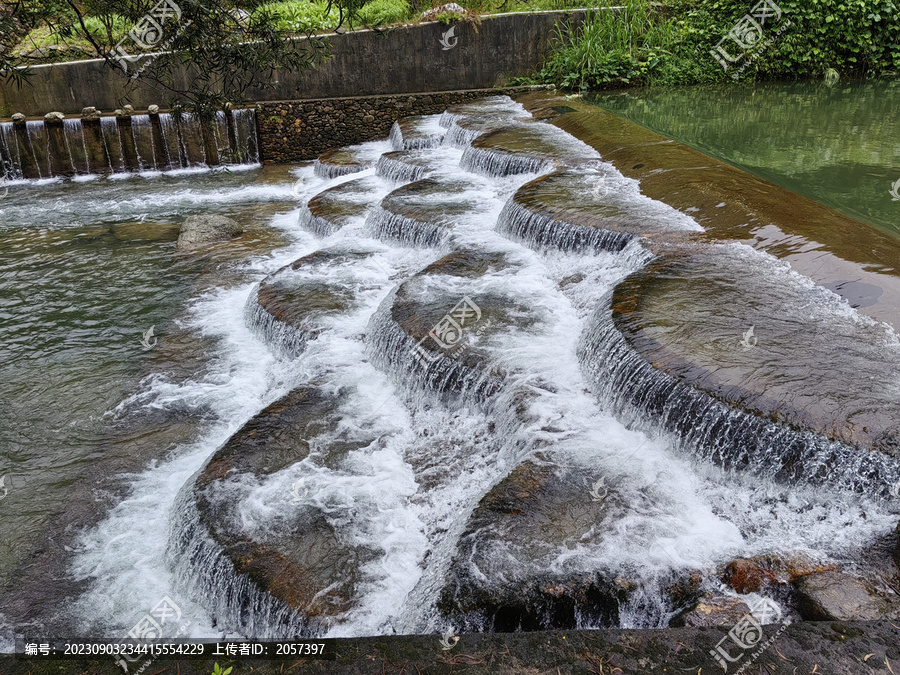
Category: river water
<point>103,435</point>
<point>835,144</point>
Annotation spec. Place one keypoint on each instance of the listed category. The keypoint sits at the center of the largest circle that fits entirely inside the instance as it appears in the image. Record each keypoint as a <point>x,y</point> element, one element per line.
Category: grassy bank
<point>671,43</point>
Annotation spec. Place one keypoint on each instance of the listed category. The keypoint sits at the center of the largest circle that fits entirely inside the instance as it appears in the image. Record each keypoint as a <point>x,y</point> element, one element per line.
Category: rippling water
<point>87,268</point>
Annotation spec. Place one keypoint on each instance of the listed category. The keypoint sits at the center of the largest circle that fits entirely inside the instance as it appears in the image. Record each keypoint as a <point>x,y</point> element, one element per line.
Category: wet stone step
<point>288,308</point>
<point>437,330</point>
<point>417,132</point>
<point>506,575</point>
<point>424,213</point>
<point>588,210</point>
<point>295,577</point>
<point>343,161</point>
<point>525,148</point>
<point>463,131</point>
<point>490,107</point>
<point>406,166</point>
<point>755,366</point>
<point>336,207</point>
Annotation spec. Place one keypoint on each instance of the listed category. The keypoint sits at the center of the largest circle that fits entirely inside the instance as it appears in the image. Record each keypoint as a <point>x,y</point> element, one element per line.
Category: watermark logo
<point>894,491</point>
<point>747,634</point>
<point>448,332</point>
<point>600,188</point>
<point>146,340</point>
<point>298,491</point>
<point>832,77</point>
<point>895,191</point>
<point>749,340</point>
<point>448,38</point>
<point>747,34</point>
<point>151,627</point>
<point>3,189</point>
<point>599,491</point>
<point>148,34</point>
<point>298,186</point>
<point>449,638</point>
<point>3,489</point>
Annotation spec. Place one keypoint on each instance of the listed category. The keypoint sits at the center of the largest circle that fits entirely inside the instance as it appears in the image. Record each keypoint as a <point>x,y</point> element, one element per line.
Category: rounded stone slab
<point>491,106</point>
<point>809,361</point>
<point>464,130</point>
<point>524,148</point>
<point>434,334</point>
<point>502,578</point>
<point>406,166</point>
<point>417,132</point>
<point>753,367</point>
<point>343,161</point>
<point>290,303</point>
<point>594,210</point>
<point>424,213</point>
<point>303,564</point>
<point>332,209</point>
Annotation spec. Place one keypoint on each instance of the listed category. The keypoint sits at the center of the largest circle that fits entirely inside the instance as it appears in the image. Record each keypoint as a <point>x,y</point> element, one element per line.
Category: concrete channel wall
<point>399,60</point>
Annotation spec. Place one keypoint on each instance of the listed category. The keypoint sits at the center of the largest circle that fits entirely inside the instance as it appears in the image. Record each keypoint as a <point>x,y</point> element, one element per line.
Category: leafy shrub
<point>611,46</point>
<point>853,37</point>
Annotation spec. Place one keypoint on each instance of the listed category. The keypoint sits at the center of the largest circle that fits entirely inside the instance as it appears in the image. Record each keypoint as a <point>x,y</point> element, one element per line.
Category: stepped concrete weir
<point>529,392</point>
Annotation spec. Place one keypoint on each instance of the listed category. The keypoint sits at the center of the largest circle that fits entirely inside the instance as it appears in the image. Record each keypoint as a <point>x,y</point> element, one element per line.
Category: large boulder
<point>833,596</point>
<point>200,230</point>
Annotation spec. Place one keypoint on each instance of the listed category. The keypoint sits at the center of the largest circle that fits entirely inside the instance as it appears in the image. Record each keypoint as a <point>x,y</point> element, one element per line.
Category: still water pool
<point>837,145</point>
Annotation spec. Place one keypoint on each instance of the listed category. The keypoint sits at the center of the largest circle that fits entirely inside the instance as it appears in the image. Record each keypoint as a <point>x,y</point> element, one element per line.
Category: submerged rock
<point>834,596</point>
<point>712,610</point>
<point>197,231</point>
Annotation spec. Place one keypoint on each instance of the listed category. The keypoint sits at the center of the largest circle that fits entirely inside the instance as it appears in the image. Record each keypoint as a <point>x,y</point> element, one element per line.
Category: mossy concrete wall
<point>399,60</point>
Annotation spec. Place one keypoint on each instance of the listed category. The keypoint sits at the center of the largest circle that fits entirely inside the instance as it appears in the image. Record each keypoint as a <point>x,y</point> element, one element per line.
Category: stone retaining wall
<point>297,130</point>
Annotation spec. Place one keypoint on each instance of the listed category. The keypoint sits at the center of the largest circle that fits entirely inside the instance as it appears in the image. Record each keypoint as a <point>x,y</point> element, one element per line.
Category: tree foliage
<point>199,54</point>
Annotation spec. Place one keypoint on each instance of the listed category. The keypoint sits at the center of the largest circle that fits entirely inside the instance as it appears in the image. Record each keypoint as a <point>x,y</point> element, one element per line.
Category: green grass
<point>610,47</point>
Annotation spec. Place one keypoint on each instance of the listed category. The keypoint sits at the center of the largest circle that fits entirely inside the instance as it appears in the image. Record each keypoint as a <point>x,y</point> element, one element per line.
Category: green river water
<point>837,145</point>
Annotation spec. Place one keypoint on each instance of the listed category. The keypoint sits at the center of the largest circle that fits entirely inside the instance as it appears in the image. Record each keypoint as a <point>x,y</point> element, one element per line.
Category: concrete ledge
<point>805,647</point>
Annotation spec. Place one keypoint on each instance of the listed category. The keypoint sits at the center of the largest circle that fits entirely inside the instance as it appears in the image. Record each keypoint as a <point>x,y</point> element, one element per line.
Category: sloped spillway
<point>512,415</point>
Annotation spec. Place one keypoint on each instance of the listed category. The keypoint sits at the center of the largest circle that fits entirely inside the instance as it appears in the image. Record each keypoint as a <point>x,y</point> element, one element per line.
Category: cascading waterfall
<point>37,137</point>
<point>410,466</point>
<point>182,145</point>
<point>10,161</point>
<point>729,437</point>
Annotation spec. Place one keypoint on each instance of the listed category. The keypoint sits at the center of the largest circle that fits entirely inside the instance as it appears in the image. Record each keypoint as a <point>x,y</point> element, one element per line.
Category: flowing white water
<point>406,495</point>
